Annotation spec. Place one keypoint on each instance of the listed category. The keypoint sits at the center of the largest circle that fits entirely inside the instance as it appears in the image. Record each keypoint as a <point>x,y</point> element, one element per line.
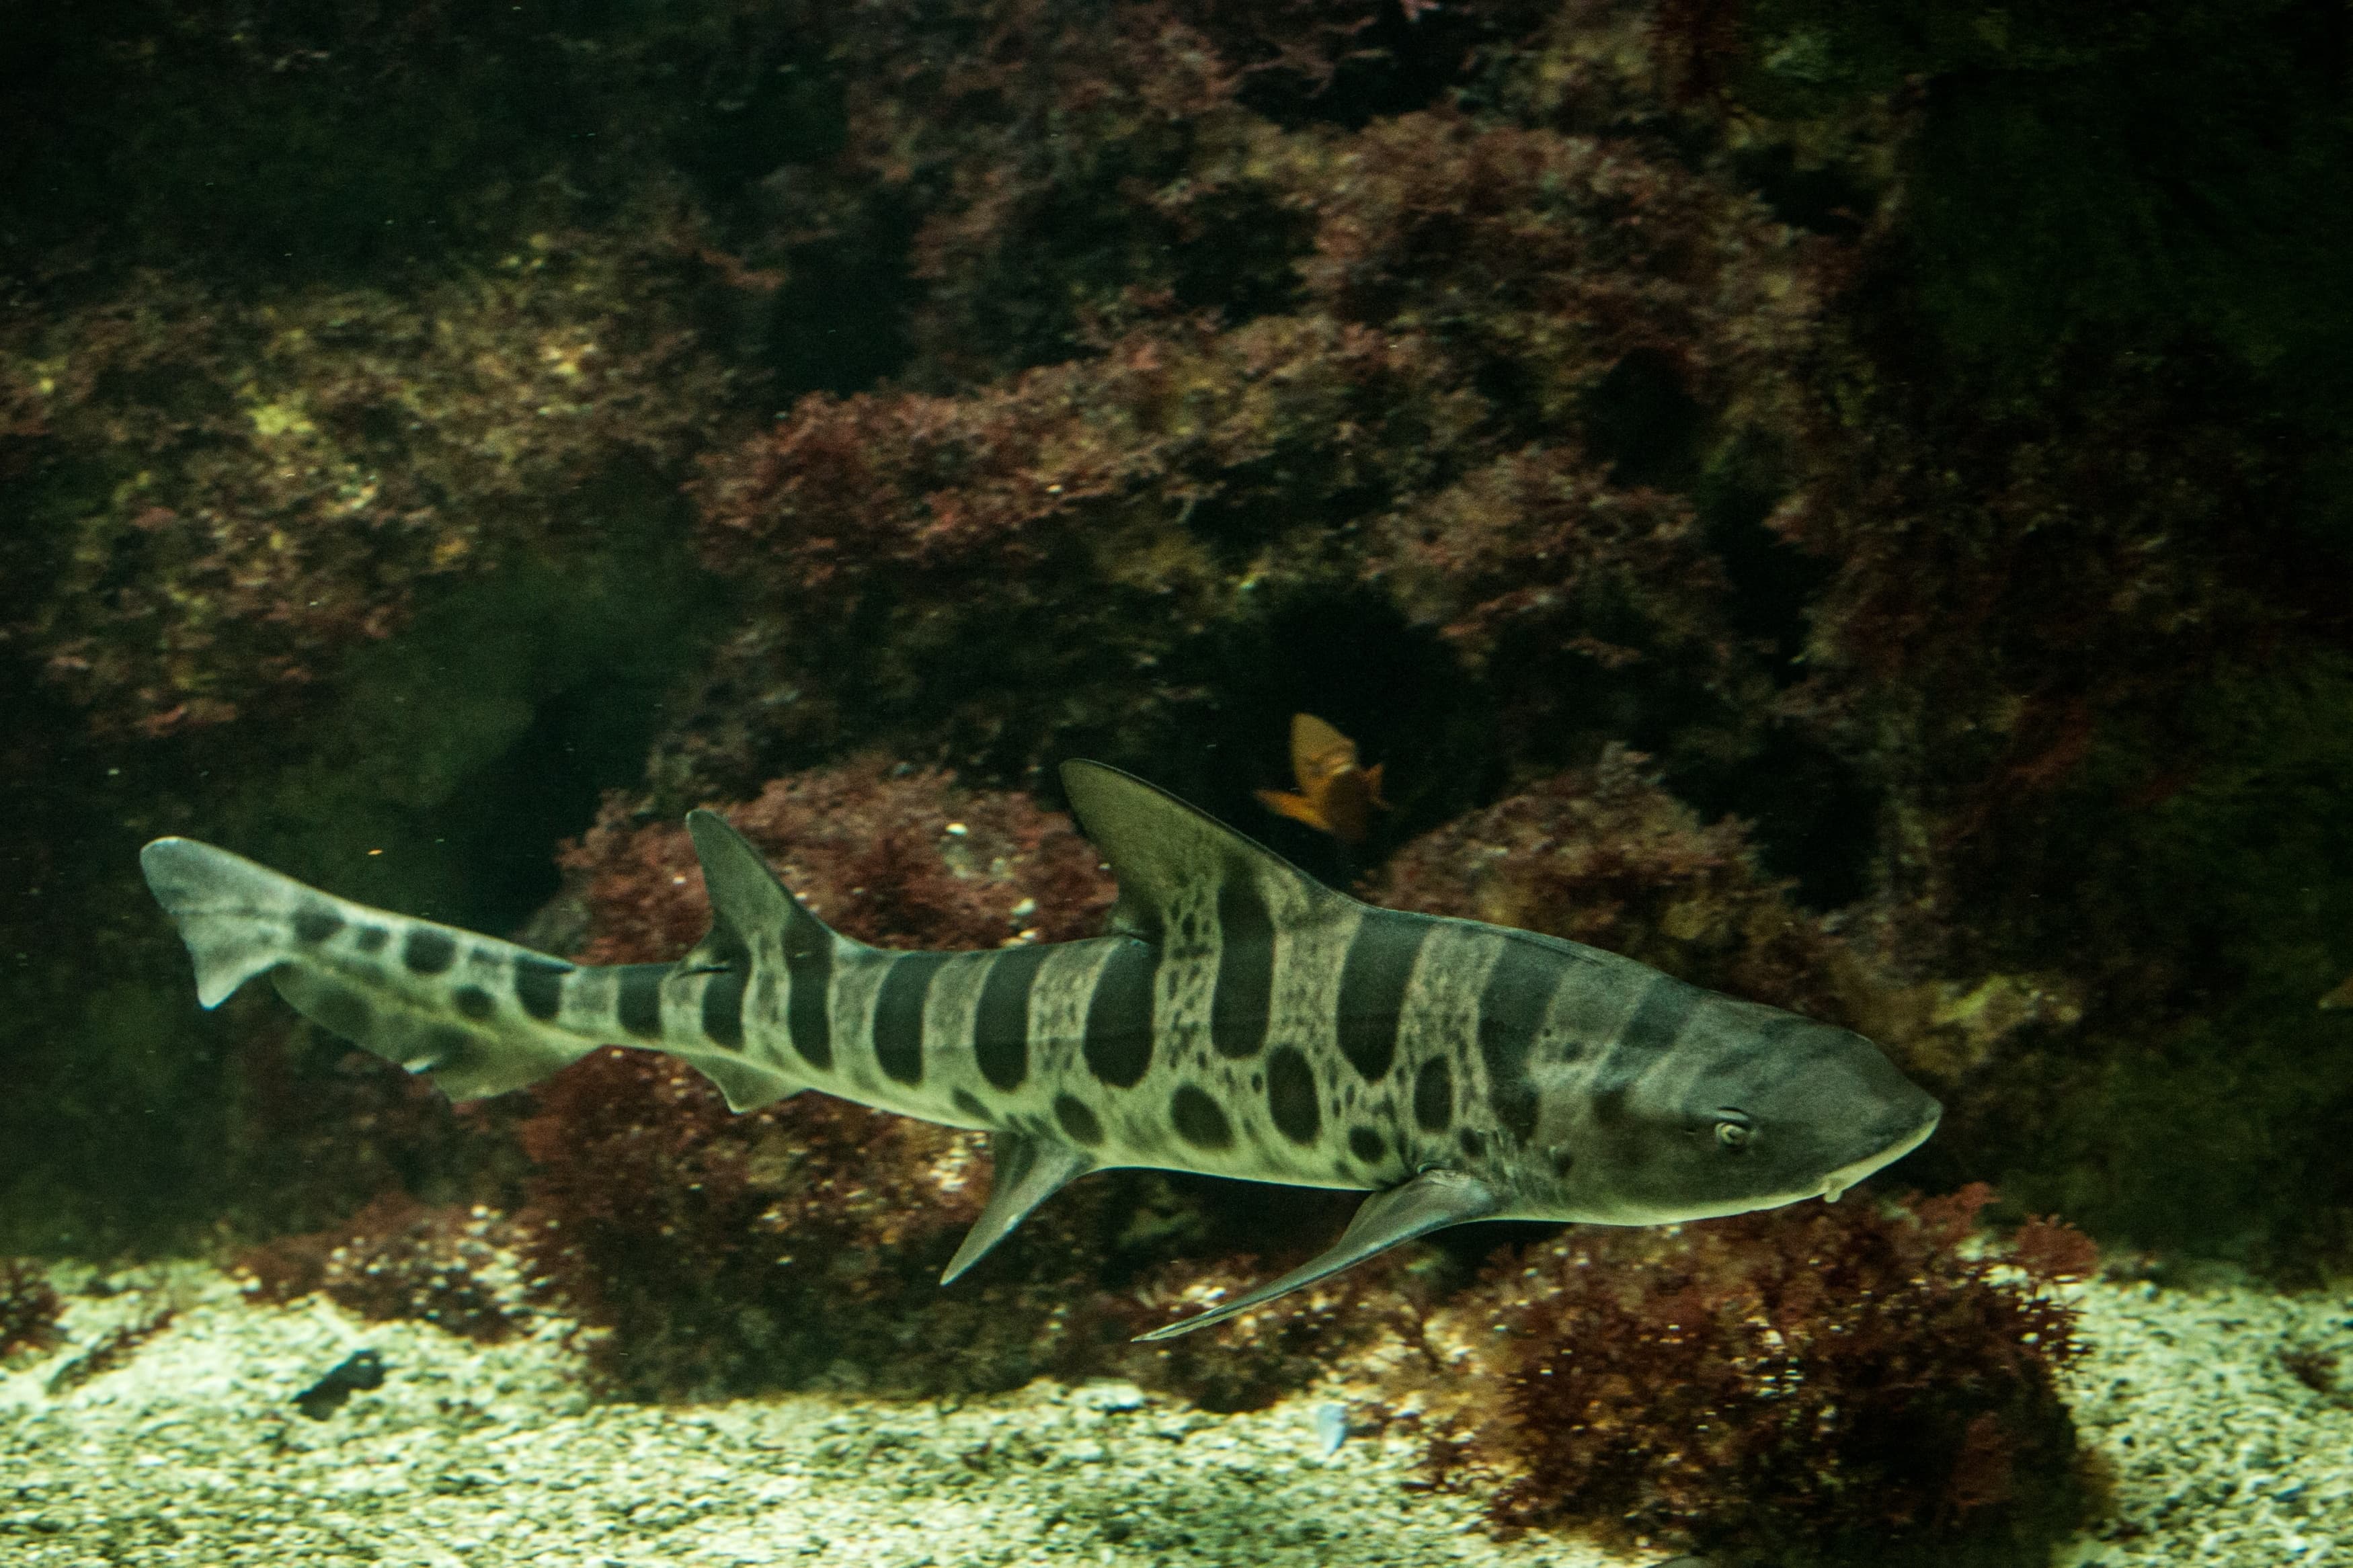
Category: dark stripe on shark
<point>1658,1019</point>
<point>725,960</point>
<point>1649,1031</point>
<point>539,986</point>
<point>898,1014</point>
<point>1373,981</point>
<point>723,1008</point>
<point>1000,1019</point>
<point>427,952</point>
<point>639,1002</point>
<point>1511,1014</point>
<point>809,1007</point>
<point>1243,997</point>
<point>1117,1039</point>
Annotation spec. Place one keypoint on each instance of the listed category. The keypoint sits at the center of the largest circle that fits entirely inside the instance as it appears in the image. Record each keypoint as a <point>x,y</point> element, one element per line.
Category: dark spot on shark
<point>370,939</point>
<point>1563,1161</point>
<point>314,924</point>
<point>898,1014</point>
<point>538,983</point>
<point>1116,1042</point>
<point>427,952</point>
<point>640,1004</point>
<point>1373,982</point>
<point>1242,996</point>
<point>1199,1120</point>
<point>722,1009</point>
<point>474,1001</point>
<point>1472,1141</point>
<point>1291,1097</point>
<point>1433,1096</point>
<point>1000,1020</point>
<point>968,1104</point>
<point>1366,1144</point>
<point>1078,1120</point>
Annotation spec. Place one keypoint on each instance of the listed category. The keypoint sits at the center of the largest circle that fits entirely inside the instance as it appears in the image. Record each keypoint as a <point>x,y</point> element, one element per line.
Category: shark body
<point>1241,1019</point>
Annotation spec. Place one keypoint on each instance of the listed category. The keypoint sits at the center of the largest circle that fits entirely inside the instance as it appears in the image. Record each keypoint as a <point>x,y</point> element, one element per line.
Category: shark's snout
<point>1894,1135</point>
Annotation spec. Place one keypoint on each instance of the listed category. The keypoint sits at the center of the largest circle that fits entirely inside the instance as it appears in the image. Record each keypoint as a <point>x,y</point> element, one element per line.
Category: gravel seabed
<point>184,1448</point>
<point>2223,1457</point>
<point>189,1452</point>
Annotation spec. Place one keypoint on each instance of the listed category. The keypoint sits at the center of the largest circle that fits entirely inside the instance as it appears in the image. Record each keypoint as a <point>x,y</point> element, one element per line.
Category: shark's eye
<point>1733,1133</point>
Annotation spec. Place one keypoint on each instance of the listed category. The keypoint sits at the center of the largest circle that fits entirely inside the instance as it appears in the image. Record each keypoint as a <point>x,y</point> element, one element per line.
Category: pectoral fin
<point>1431,1201</point>
<point>1028,1172</point>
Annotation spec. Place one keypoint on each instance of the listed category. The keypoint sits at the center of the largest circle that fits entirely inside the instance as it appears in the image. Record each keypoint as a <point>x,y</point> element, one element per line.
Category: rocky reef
<point>1850,511</point>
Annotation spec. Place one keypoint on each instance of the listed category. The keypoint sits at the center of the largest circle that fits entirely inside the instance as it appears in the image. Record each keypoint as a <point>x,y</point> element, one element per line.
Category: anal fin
<point>1029,1171</point>
<point>748,1085</point>
<point>1431,1201</point>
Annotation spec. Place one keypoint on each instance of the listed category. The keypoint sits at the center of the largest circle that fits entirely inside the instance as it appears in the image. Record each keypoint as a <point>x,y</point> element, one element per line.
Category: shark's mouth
<point>1835,1184</point>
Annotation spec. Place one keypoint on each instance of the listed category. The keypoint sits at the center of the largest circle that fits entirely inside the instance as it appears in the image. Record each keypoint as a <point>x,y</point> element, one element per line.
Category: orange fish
<point>1335,794</point>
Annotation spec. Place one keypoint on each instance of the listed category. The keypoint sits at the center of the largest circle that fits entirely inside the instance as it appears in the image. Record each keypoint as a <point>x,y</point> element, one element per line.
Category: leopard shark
<point>1240,1018</point>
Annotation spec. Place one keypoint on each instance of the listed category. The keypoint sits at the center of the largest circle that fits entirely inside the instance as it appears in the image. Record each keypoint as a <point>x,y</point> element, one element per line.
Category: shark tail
<point>234,915</point>
<point>480,1015</point>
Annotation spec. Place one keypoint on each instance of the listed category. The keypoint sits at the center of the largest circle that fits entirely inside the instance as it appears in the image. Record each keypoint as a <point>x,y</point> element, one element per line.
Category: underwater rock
<point>360,1370</point>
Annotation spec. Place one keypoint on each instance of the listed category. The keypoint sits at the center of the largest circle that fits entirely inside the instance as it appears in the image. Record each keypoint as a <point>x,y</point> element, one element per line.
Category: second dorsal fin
<point>745,897</point>
<point>1173,859</point>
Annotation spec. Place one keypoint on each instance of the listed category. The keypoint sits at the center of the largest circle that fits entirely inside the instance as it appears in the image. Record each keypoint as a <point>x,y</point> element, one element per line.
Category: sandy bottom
<point>182,1446</point>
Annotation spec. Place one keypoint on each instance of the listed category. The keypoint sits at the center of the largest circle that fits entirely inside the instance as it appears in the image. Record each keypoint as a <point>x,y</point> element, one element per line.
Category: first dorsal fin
<point>745,897</point>
<point>1166,853</point>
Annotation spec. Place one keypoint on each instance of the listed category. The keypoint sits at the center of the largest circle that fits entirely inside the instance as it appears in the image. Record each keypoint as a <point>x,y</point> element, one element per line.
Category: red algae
<point>1430,397</point>
<point>452,1266</point>
<point>29,1308</point>
<point>283,475</point>
<point>1855,1384</point>
<point>894,855</point>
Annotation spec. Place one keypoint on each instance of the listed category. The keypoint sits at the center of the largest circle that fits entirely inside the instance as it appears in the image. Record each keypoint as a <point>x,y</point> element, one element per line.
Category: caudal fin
<point>233,914</point>
<point>480,1015</point>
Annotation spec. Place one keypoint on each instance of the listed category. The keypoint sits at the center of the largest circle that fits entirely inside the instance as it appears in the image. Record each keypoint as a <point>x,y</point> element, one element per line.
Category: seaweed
<point>29,1308</point>
<point>1849,1384</point>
